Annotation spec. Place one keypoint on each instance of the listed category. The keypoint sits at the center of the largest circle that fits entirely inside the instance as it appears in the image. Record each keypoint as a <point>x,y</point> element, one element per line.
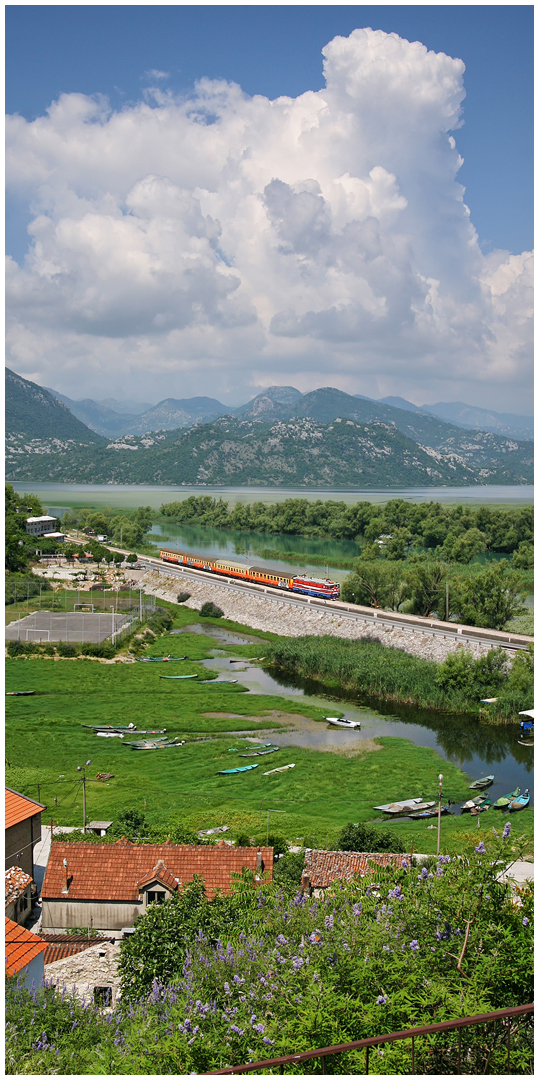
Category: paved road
<point>353,612</point>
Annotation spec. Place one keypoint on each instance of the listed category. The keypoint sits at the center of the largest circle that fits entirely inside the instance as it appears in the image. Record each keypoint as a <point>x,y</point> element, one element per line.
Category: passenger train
<point>260,575</point>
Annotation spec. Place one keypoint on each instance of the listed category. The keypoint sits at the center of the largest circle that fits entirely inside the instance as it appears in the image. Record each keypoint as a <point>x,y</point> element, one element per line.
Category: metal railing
<point>379,1040</point>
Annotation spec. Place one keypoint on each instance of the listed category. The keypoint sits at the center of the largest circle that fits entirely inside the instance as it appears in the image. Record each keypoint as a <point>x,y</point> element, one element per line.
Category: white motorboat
<point>342,723</point>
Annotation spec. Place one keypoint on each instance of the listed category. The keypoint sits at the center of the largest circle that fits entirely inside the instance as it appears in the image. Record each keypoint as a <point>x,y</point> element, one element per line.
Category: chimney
<point>64,877</point>
<point>306,883</point>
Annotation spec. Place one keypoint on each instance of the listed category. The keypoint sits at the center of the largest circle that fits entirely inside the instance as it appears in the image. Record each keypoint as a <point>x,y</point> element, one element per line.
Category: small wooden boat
<point>504,800</point>
<point>282,768</point>
<point>472,803</point>
<point>110,734</point>
<point>397,807</point>
<point>342,722</point>
<point>159,659</point>
<point>240,768</point>
<point>195,676</point>
<point>219,682</point>
<point>246,660</point>
<point>19,693</point>
<point>529,744</point>
<point>520,803</point>
<point>484,782</point>
<point>481,808</point>
<point>261,753</point>
<point>112,727</point>
<point>433,812</point>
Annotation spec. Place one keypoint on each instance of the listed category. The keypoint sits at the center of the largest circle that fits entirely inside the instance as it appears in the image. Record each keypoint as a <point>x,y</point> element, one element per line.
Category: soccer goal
<point>84,607</point>
<point>47,632</point>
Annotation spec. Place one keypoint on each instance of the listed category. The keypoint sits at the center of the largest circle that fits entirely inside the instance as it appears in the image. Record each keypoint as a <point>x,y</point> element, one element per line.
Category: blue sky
<point>275,51</point>
<point>232,197</point>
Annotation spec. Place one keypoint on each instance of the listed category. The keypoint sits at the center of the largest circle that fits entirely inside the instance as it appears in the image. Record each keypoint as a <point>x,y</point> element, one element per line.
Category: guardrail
<point>380,1040</point>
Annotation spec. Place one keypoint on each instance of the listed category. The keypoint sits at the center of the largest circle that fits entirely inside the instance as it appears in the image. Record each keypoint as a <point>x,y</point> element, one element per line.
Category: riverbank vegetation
<point>266,971</point>
<point>460,532</point>
<point>369,667</point>
<point>424,585</point>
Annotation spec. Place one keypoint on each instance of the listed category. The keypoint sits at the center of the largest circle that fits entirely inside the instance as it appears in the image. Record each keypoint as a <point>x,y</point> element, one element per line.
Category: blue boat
<point>241,768</point>
<point>521,802</point>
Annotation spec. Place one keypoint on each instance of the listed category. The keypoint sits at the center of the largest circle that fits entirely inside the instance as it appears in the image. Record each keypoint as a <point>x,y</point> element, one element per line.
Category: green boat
<point>241,768</point>
<point>219,682</point>
<point>485,781</point>
<point>504,800</point>
<point>480,808</point>
<point>159,659</point>
<point>161,745</point>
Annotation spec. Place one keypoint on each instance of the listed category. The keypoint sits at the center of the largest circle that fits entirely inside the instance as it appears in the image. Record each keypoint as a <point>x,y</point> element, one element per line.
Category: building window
<point>156,897</point>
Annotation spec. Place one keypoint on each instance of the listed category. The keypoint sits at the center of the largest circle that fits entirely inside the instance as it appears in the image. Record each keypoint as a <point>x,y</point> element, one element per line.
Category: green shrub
<point>288,869</point>
<point>209,610</point>
<point>366,838</point>
<point>16,648</point>
<point>64,648</point>
<point>183,596</point>
<point>48,649</point>
<point>104,649</point>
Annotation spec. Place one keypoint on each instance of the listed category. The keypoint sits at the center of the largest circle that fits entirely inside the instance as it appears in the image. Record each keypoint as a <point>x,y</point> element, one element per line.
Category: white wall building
<point>39,526</point>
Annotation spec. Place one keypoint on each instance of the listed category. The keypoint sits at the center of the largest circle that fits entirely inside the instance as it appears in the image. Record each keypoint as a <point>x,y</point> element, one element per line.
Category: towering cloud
<point>310,240</point>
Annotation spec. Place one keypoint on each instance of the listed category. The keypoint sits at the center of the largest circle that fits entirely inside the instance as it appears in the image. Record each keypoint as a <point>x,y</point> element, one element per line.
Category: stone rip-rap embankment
<point>270,613</point>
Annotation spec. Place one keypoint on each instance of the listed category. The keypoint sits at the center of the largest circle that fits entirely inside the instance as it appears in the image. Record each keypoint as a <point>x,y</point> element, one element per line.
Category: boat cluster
<point>419,808</point>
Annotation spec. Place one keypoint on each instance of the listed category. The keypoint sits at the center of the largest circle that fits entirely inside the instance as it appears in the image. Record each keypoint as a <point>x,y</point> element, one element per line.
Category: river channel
<point>476,748</point>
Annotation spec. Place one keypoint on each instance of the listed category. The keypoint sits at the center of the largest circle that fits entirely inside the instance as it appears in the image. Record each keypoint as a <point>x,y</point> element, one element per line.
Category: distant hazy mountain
<point>112,419</point>
<point>472,417</point>
<point>34,416</point>
<point>132,408</point>
<point>269,403</point>
<point>398,403</point>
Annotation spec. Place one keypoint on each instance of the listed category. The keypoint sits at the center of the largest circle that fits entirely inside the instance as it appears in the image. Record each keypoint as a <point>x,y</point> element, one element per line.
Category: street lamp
<point>440,781</point>
<point>82,769</point>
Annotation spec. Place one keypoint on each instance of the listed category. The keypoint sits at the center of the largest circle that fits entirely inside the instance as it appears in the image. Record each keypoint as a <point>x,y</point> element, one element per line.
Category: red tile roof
<point>324,867</point>
<point>21,947</point>
<point>18,808</point>
<point>62,949</point>
<point>16,882</point>
<point>119,871</point>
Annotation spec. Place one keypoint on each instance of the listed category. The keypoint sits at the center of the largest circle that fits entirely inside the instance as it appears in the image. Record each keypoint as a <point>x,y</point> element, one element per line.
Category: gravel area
<point>270,613</point>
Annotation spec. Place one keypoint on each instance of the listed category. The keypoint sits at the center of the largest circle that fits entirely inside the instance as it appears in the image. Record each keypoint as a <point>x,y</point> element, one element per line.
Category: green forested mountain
<point>33,415</point>
<point>283,453</point>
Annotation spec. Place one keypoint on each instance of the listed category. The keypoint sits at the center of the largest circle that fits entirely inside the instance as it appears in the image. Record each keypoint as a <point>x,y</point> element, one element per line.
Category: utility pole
<point>267,826</point>
<point>82,769</point>
<point>440,781</point>
<point>447,601</point>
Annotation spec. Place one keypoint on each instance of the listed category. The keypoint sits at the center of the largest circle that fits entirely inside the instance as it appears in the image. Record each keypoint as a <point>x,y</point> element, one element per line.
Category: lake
<point>129,496</point>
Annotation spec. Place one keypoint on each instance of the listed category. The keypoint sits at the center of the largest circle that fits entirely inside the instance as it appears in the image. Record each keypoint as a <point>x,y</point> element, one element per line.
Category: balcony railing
<point>505,1016</point>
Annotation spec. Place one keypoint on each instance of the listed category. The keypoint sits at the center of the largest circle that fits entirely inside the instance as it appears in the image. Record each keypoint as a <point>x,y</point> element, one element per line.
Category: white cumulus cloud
<point>217,241</point>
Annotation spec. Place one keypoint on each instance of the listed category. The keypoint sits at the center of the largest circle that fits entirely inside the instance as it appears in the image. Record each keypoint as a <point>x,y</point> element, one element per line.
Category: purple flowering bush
<point>267,971</point>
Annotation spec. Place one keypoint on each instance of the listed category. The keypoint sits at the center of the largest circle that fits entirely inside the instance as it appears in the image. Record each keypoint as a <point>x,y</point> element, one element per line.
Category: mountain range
<point>281,437</point>
<point>112,418</point>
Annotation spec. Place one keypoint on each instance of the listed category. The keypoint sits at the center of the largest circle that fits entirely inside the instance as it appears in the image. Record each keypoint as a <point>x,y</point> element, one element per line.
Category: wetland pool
<point>478,749</point>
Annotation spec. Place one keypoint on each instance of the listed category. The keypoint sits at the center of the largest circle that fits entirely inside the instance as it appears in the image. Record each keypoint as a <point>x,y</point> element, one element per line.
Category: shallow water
<point>133,495</point>
<point>476,748</point>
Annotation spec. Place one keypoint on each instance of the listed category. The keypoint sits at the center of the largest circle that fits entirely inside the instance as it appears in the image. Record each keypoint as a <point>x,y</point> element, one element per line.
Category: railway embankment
<point>270,613</point>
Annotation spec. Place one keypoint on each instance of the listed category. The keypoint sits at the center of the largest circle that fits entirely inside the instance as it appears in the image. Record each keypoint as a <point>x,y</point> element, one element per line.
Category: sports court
<point>76,626</point>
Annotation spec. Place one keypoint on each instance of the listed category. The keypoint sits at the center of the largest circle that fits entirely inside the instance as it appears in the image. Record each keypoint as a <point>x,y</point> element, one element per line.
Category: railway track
<point>352,612</point>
